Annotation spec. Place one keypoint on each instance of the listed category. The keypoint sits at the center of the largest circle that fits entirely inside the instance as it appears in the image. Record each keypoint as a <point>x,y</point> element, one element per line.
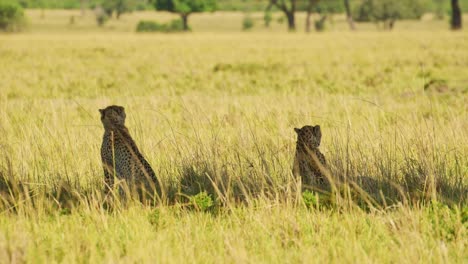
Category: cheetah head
<point>112,115</point>
<point>310,136</point>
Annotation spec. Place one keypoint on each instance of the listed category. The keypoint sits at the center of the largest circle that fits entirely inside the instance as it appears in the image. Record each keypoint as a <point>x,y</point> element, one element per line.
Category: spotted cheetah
<point>309,161</point>
<point>120,156</point>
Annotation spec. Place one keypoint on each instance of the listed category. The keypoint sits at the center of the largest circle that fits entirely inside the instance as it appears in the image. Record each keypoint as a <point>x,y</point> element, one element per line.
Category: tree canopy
<point>389,11</point>
<point>185,7</point>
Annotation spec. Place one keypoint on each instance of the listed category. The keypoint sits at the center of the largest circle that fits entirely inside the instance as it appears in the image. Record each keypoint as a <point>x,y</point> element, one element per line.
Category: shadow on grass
<point>217,181</point>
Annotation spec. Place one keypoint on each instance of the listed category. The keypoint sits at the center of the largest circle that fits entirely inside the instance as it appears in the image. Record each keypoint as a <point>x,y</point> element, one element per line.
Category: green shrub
<point>11,16</point>
<point>248,22</point>
<point>154,217</point>
<point>101,16</point>
<point>311,200</point>
<point>202,201</point>
<point>389,11</point>
<point>280,19</point>
<point>320,24</point>
<point>150,26</point>
<point>175,25</point>
<point>267,18</point>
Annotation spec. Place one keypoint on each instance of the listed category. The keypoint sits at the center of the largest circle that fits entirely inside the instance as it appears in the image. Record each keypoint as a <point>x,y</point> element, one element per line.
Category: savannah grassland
<point>216,112</point>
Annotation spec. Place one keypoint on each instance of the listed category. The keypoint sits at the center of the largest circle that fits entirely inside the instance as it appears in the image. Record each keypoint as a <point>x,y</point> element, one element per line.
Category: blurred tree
<point>288,7</point>
<point>118,7</point>
<point>456,21</point>
<point>349,16</point>
<point>101,15</point>
<point>310,9</point>
<point>83,4</point>
<point>11,16</point>
<point>247,22</point>
<point>324,8</point>
<point>267,17</point>
<point>389,11</point>
<point>185,7</point>
<point>439,9</point>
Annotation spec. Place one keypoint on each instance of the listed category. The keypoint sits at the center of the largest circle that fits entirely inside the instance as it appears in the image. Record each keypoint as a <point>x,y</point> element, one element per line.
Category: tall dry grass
<point>218,116</point>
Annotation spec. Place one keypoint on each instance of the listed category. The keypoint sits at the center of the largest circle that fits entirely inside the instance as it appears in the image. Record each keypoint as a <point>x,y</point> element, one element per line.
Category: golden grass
<point>208,107</point>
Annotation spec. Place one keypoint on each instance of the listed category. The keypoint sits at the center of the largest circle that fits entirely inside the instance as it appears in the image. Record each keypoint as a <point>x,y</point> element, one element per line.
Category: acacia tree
<point>324,8</point>
<point>185,7</point>
<point>288,7</point>
<point>389,11</point>
<point>456,21</point>
<point>118,7</point>
<point>310,7</point>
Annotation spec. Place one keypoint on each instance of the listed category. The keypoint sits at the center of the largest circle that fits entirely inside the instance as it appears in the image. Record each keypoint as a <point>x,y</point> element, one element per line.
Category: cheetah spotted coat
<point>121,157</point>
<point>309,161</point>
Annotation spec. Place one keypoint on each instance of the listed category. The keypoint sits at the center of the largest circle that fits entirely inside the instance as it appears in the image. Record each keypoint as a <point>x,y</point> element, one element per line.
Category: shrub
<point>267,18</point>
<point>150,26</point>
<point>248,22</point>
<point>154,217</point>
<point>439,9</point>
<point>320,24</point>
<point>11,16</point>
<point>310,199</point>
<point>175,25</point>
<point>101,16</point>
<point>389,11</point>
<point>281,19</point>
<point>202,201</point>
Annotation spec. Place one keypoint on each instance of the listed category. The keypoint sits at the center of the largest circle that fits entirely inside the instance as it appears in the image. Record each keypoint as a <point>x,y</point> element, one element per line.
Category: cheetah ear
<point>297,130</point>
<point>102,112</point>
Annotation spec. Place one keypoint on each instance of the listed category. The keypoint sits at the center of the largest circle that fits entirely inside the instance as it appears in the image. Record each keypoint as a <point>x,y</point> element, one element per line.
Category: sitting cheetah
<point>309,160</point>
<point>120,156</point>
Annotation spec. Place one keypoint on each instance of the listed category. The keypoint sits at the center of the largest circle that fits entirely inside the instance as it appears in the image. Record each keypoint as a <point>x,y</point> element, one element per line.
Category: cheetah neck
<point>116,128</point>
<point>120,130</point>
<point>303,148</point>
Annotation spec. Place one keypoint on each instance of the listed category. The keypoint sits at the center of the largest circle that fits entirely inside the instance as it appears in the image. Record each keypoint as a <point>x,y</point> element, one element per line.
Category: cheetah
<point>309,161</point>
<point>121,158</point>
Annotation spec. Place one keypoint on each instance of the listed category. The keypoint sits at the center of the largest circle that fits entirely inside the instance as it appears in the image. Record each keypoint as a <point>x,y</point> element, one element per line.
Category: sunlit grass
<point>216,113</point>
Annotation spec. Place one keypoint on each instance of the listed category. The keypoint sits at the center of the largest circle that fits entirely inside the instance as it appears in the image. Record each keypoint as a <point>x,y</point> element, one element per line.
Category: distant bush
<point>101,16</point>
<point>439,9</point>
<point>11,16</point>
<point>388,11</point>
<point>248,22</point>
<point>267,18</point>
<point>280,19</point>
<point>175,25</point>
<point>320,24</point>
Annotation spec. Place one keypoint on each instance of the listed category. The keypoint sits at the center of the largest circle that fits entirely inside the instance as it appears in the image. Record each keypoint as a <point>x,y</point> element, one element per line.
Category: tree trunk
<point>310,6</point>
<point>391,24</point>
<point>291,21</point>
<point>83,8</point>
<point>456,21</point>
<point>349,16</point>
<point>184,18</point>
<point>307,28</point>
<point>289,13</point>
<point>320,24</point>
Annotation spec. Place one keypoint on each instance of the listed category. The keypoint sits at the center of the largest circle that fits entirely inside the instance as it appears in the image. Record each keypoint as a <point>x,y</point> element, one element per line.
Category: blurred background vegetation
<point>318,14</point>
